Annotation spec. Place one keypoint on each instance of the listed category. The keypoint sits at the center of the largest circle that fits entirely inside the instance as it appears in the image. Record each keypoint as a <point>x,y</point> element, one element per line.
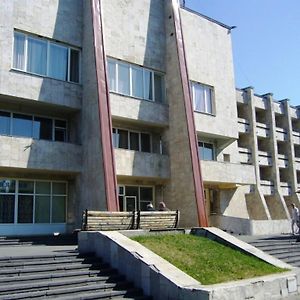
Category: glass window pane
<point>26,187</point>
<point>7,208</point>
<point>146,194</point>
<point>42,209</point>
<point>19,44</point>
<point>25,209</point>
<point>132,191</point>
<point>22,125</point>
<point>112,75</point>
<point>208,99</point>
<point>143,205</point>
<point>123,139</point>
<point>42,187</point>
<point>137,82</point>
<point>59,188</point>
<point>7,186</point>
<point>58,62</point>
<point>4,123</point>
<point>42,128</point>
<point>121,200</point>
<point>115,138</point>
<point>37,56</point>
<point>158,87</point>
<point>145,142</point>
<point>123,79</point>
<point>148,85</point>
<point>134,141</point>
<point>60,123</point>
<point>60,135</point>
<point>58,209</point>
<point>199,103</point>
<point>74,65</point>
<point>208,151</point>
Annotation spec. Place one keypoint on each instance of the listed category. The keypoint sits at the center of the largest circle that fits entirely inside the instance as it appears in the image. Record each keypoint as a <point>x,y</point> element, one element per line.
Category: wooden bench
<point>157,219</point>
<point>152,220</point>
<point>107,220</point>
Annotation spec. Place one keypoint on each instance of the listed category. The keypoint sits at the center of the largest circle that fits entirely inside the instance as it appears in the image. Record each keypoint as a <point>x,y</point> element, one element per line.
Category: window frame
<point>161,75</point>
<point>212,98</point>
<point>33,116</point>
<point>213,150</point>
<point>48,43</point>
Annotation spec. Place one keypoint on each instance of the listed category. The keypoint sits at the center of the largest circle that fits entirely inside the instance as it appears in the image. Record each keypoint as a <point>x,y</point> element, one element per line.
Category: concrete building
<point>107,105</point>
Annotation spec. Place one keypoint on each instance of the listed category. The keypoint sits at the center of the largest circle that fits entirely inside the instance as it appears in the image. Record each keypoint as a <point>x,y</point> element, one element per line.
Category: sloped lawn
<point>207,261</point>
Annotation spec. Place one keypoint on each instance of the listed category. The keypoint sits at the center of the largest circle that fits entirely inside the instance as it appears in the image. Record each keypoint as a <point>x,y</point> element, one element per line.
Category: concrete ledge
<point>162,280</point>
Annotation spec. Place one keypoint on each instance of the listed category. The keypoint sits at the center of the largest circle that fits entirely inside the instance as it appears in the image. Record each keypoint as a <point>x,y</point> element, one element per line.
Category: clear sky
<point>266,42</point>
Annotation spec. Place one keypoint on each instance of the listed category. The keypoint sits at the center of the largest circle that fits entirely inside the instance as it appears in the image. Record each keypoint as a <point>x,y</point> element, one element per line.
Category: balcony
<point>245,155</point>
<point>243,125</point>
<point>148,112</point>
<point>283,161</point>
<point>281,134</point>
<point>262,130</point>
<point>239,97</point>
<point>267,187</point>
<point>294,112</point>
<point>296,137</point>
<point>227,173</point>
<point>260,102</point>
<point>142,164</point>
<point>297,163</point>
<point>26,153</point>
<point>285,189</point>
<point>264,158</point>
<point>278,107</point>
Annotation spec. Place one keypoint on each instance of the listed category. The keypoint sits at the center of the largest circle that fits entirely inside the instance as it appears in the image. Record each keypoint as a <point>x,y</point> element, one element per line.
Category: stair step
<point>41,257</point>
<point>106,288</point>
<point>58,283</point>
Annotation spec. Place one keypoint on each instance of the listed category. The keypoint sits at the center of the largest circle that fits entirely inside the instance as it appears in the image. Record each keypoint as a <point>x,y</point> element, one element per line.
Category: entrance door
<point>130,203</point>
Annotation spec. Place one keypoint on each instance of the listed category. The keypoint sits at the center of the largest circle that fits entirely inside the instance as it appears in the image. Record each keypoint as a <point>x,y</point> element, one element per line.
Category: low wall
<point>250,227</point>
<point>163,281</point>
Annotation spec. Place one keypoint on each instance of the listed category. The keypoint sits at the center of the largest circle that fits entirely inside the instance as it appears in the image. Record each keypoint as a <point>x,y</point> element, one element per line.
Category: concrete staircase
<point>284,247</point>
<point>62,275</point>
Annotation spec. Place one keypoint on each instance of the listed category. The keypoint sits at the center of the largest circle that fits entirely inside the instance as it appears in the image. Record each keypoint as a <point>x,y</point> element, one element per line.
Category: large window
<point>32,201</point>
<point>203,97</point>
<point>135,81</point>
<point>206,151</point>
<point>133,197</point>
<point>132,140</point>
<point>41,128</point>
<point>43,57</point>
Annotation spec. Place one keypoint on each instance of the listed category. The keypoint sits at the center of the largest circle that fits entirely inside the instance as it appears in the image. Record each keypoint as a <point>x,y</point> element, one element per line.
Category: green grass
<point>207,261</point>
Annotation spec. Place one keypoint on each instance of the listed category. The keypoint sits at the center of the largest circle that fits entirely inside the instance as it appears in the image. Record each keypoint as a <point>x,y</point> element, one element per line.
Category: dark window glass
<point>206,151</point>
<point>7,186</point>
<point>42,128</point>
<point>25,209</point>
<point>37,56</point>
<point>7,208</point>
<point>146,194</point>
<point>4,123</point>
<point>59,188</point>
<point>132,191</point>
<point>148,85</point>
<point>22,125</point>
<point>158,87</point>
<point>123,139</point>
<point>58,209</point>
<point>60,132</point>
<point>42,209</point>
<point>121,200</point>
<point>74,65</point>
<point>58,62</point>
<point>26,187</point>
<point>134,141</point>
<point>145,142</point>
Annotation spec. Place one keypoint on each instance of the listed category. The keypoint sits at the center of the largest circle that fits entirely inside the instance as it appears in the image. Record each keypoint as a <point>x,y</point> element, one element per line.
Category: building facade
<point>108,105</point>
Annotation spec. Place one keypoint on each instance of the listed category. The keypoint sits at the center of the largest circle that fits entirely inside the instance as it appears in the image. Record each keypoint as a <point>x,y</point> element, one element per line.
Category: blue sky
<point>266,42</point>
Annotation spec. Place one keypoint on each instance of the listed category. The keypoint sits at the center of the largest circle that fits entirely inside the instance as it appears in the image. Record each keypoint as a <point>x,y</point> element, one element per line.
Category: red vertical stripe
<point>110,181</point>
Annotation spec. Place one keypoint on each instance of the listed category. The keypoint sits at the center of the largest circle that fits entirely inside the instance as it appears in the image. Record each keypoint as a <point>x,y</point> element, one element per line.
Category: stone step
<point>42,257</point>
<point>107,289</point>
<point>48,284</point>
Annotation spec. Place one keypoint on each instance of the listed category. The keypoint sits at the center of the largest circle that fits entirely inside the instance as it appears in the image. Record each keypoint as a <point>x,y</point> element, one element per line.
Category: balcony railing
<point>264,158</point>
<point>285,188</point>
<point>296,137</point>
<point>243,125</point>
<point>260,102</point>
<point>262,130</point>
<point>267,187</point>
<point>283,161</point>
<point>281,134</point>
<point>245,155</point>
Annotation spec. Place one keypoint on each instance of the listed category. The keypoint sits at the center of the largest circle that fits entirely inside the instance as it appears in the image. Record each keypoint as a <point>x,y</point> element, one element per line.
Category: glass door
<point>7,209</point>
<point>130,203</point>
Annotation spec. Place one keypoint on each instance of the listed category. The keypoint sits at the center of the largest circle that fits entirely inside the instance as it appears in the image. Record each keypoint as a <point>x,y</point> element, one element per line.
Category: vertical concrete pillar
<point>279,206</point>
<point>257,206</point>
<point>186,187</point>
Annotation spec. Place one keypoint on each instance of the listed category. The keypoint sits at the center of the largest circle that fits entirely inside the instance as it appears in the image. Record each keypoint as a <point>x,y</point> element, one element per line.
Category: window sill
<point>205,113</point>
<point>42,76</point>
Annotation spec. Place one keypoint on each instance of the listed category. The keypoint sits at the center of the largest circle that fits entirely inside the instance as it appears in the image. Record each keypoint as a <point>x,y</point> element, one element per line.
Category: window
<point>41,128</point>
<point>135,197</point>
<point>135,81</point>
<point>206,151</point>
<point>131,140</point>
<point>202,97</point>
<point>30,201</point>
<point>43,57</point>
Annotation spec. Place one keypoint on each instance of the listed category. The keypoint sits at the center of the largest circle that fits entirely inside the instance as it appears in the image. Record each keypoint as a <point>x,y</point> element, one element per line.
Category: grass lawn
<point>207,261</point>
